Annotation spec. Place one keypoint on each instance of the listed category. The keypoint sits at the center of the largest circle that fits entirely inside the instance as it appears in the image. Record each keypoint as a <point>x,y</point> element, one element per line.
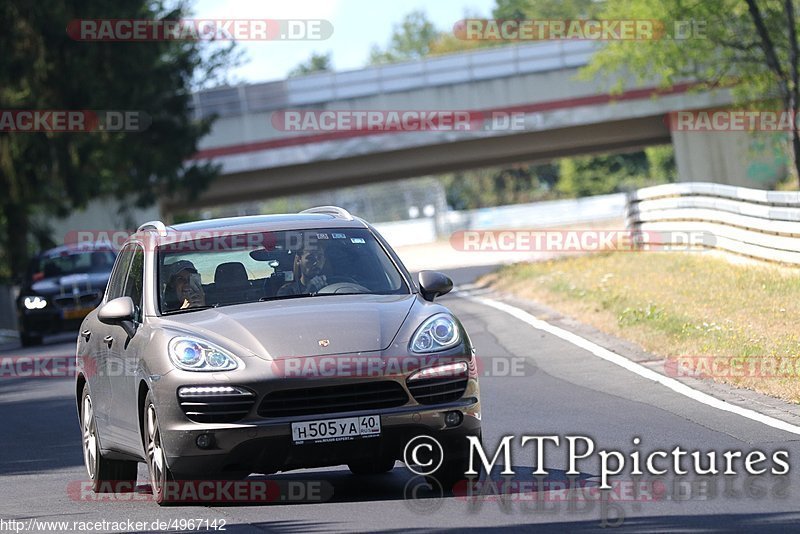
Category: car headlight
<point>194,355</point>
<point>34,303</point>
<point>437,333</point>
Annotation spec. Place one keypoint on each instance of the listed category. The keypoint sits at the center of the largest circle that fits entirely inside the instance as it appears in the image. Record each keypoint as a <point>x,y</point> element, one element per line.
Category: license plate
<point>343,429</point>
<point>76,313</point>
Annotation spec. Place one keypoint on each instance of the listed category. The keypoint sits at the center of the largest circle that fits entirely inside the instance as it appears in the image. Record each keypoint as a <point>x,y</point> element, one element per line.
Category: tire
<point>160,474</point>
<point>453,469</point>
<point>30,340</point>
<point>107,476</point>
<point>374,467</point>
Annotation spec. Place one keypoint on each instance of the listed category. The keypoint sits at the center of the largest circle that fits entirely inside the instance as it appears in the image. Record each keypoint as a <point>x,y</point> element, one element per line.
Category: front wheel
<point>454,467</point>
<point>107,476</point>
<point>160,475</point>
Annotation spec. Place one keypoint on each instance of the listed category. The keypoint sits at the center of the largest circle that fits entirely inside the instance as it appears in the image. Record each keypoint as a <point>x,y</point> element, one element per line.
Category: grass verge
<point>708,317</point>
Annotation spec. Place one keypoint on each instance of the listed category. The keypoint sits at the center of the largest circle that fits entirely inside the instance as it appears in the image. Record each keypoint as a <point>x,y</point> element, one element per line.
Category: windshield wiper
<point>190,309</point>
<point>283,297</point>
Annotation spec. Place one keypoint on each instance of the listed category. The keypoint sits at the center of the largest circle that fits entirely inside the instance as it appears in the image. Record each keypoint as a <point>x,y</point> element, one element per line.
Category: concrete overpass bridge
<point>535,83</point>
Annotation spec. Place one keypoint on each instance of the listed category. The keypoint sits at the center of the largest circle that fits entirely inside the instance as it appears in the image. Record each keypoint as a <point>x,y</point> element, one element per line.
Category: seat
<point>231,284</point>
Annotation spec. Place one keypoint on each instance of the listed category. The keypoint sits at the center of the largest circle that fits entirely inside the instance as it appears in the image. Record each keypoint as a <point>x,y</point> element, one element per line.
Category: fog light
<point>452,419</point>
<point>205,441</point>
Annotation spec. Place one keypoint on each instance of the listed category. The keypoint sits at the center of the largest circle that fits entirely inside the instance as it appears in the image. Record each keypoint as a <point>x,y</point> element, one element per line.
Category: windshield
<point>235,269</point>
<point>66,263</point>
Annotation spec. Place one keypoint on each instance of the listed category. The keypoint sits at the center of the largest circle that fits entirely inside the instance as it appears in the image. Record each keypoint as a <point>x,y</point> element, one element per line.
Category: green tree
<point>495,186</point>
<point>581,176</point>
<point>42,68</point>
<point>411,39</point>
<point>315,63</point>
<point>749,45</point>
<point>543,9</point>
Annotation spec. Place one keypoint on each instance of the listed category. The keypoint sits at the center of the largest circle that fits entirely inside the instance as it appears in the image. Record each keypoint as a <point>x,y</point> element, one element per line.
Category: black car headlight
<point>436,333</point>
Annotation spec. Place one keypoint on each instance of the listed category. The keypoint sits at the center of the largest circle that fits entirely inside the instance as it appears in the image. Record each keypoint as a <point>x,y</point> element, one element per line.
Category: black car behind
<point>61,287</point>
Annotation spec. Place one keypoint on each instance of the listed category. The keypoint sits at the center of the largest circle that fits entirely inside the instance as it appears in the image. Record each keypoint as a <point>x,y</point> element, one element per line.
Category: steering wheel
<point>342,284</point>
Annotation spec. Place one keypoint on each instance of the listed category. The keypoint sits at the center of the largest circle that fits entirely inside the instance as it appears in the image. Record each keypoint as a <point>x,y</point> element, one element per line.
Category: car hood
<point>65,284</point>
<point>299,327</point>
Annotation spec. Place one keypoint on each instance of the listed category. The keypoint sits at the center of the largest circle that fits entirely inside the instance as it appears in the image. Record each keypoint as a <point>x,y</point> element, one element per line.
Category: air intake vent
<point>216,404</point>
<point>439,389</point>
<point>333,399</point>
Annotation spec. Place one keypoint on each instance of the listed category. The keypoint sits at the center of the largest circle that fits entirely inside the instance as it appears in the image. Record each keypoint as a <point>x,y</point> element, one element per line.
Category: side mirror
<point>434,284</point>
<point>119,311</point>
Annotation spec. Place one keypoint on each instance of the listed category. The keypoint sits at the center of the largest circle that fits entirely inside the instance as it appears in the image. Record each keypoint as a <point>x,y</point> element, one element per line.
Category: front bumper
<point>54,318</point>
<point>257,444</point>
<point>268,448</point>
<point>48,322</point>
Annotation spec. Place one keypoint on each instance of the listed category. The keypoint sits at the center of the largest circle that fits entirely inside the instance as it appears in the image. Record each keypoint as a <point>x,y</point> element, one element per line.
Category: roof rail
<point>158,226</point>
<point>336,211</point>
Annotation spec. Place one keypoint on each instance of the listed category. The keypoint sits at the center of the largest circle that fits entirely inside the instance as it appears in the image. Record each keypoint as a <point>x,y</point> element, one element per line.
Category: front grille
<point>333,399</point>
<point>70,300</point>
<point>439,389</point>
<point>218,404</point>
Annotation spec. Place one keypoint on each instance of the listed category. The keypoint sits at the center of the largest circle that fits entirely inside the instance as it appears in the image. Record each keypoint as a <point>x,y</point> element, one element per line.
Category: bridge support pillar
<point>758,160</point>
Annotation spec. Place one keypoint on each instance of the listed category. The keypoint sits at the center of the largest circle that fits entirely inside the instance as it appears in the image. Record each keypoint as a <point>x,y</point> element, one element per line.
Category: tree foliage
<point>546,9</point>
<point>411,39</point>
<point>315,63</point>
<point>749,46</point>
<point>497,186</point>
<point>42,68</point>
<point>581,176</point>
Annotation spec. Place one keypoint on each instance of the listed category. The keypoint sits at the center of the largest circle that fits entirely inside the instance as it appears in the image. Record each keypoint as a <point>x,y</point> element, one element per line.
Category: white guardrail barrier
<point>751,222</point>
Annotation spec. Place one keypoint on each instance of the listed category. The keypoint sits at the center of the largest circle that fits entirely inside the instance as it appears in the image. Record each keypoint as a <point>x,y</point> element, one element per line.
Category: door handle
<point>86,334</point>
<point>109,340</point>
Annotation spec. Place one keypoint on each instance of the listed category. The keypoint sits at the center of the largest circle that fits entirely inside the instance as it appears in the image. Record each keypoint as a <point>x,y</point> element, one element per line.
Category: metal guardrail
<point>750,222</point>
<point>448,69</point>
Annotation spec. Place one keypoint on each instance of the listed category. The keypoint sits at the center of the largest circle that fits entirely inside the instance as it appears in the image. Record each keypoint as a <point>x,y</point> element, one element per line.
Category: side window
<point>134,284</point>
<point>116,284</point>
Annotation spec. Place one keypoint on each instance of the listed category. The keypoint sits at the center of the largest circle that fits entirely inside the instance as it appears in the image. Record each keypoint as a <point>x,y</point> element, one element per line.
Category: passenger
<point>184,289</point>
<point>309,266</point>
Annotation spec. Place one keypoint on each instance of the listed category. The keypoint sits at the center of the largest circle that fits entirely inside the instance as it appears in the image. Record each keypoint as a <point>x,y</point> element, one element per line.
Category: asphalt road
<point>559,390</point>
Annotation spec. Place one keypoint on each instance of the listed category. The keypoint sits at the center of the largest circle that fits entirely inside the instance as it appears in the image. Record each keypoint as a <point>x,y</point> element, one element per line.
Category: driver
<point>309,266</point>
<point>184,289</point>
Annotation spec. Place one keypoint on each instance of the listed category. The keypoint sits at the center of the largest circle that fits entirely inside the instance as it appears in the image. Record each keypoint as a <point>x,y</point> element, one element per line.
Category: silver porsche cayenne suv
<point>262,344</point>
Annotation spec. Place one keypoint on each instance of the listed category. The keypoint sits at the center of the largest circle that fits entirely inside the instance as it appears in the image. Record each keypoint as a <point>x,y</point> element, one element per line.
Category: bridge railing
<point>448,69</point>
<point>750,222</point>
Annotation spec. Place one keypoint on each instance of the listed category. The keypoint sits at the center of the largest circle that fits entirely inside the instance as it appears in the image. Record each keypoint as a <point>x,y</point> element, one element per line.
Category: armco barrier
<point>750,222</point>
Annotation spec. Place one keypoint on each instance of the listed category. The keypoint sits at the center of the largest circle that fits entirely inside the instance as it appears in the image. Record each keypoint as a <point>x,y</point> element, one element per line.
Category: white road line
<point>616,359</point>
